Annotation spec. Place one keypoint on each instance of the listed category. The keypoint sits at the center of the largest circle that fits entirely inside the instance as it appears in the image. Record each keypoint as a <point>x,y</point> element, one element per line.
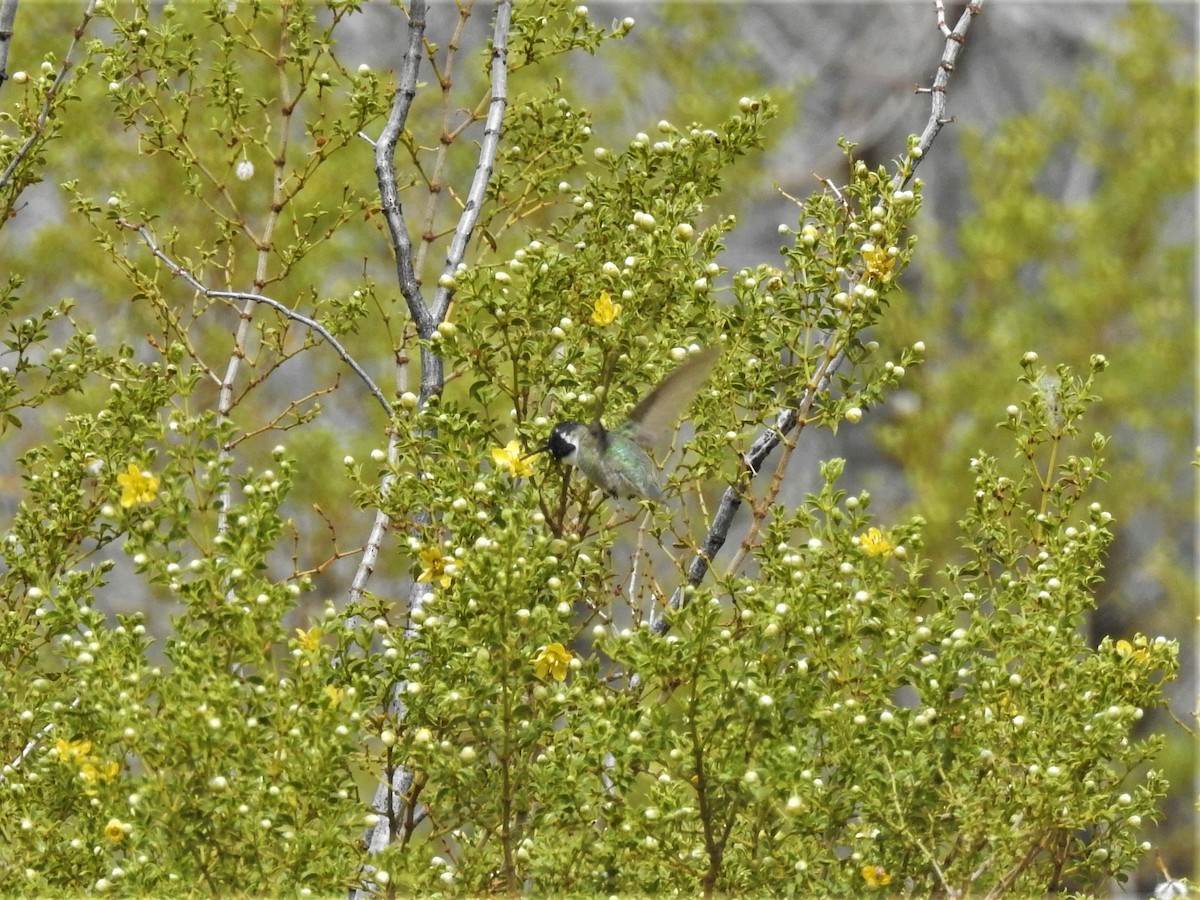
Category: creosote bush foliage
<point>366,641</point>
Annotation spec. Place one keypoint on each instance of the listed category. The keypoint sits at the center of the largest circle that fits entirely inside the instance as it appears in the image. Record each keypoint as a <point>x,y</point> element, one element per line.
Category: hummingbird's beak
<point>545,448</point>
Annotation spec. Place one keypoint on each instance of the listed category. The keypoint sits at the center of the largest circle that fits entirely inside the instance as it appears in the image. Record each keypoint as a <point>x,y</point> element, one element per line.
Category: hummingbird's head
<point>565,440</point>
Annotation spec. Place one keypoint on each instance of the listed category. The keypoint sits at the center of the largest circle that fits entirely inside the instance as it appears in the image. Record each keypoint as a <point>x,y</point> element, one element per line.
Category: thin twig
<point>445,78</point>
<point>33,744</point>
<point>247,297</point>
<point>951,892</point>
<point>731,500</point>
<point>836,191</point>
<point>370,556</point>
<point>293,409</point>
<point>1001,887</point>
<point>940,6</point>
<point>225,399</point>
<point>831,361</point>
<point>983,867</point>
<point>639,550</point>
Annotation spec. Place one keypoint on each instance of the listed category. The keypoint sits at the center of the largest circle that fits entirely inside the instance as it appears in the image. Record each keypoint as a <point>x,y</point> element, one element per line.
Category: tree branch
<point>1001,887</point>
<point>487,157</point>
<point>426,318</point>
<point>39,128</point>
<point>788,419</point>
<point>33,744</point>
<point>731,501</point>
<point>385,172</point>
<point>8,17</point>
<point>450,133</point>
<point>304,320</point>
<point>406,277</point>
<point>955,40</point>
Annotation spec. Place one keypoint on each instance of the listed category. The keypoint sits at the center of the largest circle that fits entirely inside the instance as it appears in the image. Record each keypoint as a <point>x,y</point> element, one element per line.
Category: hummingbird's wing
<point>659,411</point>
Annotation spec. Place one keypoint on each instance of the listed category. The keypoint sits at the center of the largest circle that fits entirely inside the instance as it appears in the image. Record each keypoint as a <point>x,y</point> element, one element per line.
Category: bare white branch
<point>33,744</point>
<point>396,815</point>
<point>487,156</point>
<point>940,6</point>
<point>370,555</point>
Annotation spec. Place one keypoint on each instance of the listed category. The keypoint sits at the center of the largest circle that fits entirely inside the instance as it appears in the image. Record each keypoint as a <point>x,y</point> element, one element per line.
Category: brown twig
<point>1001,887</point>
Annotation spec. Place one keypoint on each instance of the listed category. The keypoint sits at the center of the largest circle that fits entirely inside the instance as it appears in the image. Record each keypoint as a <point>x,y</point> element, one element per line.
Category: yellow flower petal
<point>1139,654</point>
<point>92,771</point>
<point>433,567</point>
<point>553,661</point>
<point>875,543</point>
<point>879,265</point>
<point>137,486</point>
<point>73,752</point>
<point>309,640</point>
<point>604,311</point>
<point>511,459</point>
<point>876,876</point>
<point>334,694</point>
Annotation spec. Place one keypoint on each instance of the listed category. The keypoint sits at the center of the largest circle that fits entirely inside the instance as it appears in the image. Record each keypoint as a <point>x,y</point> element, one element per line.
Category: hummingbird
<point>618,461</point>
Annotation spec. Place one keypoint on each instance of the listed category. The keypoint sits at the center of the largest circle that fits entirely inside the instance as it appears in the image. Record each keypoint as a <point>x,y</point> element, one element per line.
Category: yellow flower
<point>552,661</point>
<point>875,543</point>
<point>879,265</point>
<point>114,831</point>
<point>137,486</point>
<point>334,694</point>
<point>93,771</point>
<point>75,752</point>
<point>604,311</point>
<point>309,641</point>
<point>511,459</point>
<point>1138,652</point>
<point>433,567</point>
<point>876,876</point>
